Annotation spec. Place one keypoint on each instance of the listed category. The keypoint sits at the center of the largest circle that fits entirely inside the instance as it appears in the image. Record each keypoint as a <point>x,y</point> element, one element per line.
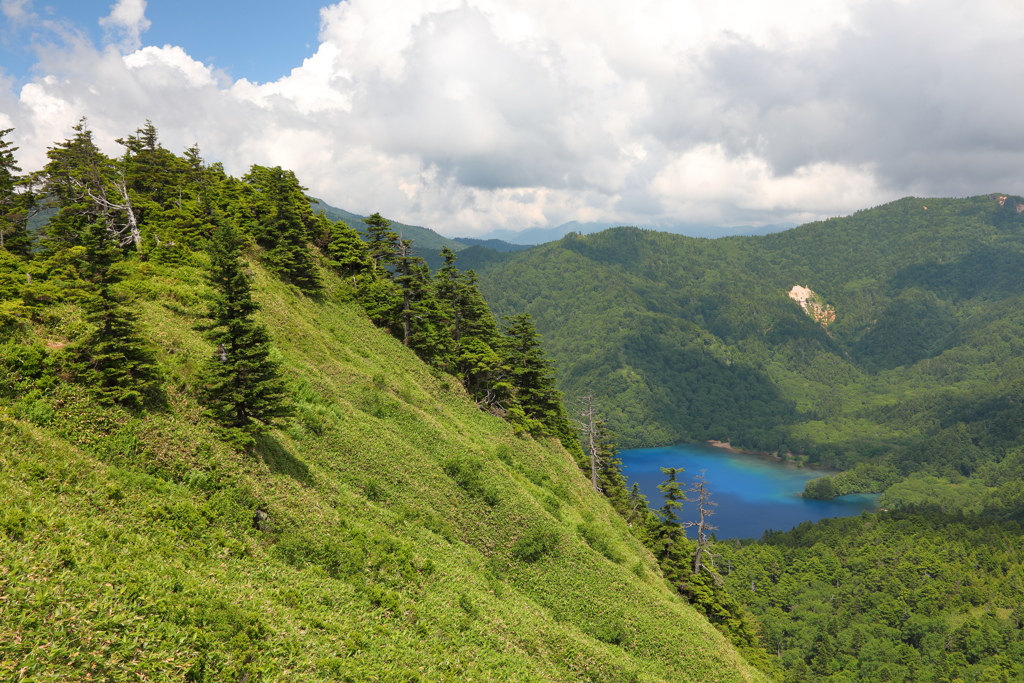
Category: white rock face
<point>813,305</point>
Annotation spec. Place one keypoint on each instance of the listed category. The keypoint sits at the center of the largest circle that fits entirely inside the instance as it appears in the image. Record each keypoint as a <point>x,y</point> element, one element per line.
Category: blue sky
<point>469,116</point>
<point>255,39</point>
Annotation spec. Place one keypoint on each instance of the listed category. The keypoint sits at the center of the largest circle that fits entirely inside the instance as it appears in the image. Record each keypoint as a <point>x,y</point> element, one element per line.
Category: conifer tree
<point>533,377</point>
<point>345,250</point>
<point>670,531</point>
<point>241,388</point>
<point>609,477</point>
<point>112,359</point>
<point>88,188</point>
<point>704,510</point>
<point>165,195</point>
<point>474,334</point>
<point>13,205</point>
<point>283,224</point>
<point>382,243</point>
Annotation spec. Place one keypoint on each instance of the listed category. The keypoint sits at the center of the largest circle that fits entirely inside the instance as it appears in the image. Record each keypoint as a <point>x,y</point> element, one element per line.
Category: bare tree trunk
<point>704,505</point>
<point>588,425</point>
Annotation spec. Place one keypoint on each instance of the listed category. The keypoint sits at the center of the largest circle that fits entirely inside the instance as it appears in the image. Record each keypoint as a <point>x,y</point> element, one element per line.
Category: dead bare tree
<point>588,424</point>
<point>129,232</point>
<point>704,511</point>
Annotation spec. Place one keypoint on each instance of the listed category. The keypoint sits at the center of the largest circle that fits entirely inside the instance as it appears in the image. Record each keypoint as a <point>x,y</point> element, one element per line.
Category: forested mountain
<point>240,443</point>
<point>902,365</point>
<point>903,596</point>
<point>914,360</point>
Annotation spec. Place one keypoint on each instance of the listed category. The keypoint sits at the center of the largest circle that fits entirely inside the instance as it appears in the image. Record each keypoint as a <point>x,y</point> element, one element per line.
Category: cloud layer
<point>471,115</point>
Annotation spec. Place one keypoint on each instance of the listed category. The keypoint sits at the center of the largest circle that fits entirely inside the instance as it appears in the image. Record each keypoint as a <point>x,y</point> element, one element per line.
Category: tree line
<point>71,232</point>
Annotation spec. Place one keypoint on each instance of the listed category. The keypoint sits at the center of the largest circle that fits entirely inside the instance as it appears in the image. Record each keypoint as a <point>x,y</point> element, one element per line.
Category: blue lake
<point>754,493</point>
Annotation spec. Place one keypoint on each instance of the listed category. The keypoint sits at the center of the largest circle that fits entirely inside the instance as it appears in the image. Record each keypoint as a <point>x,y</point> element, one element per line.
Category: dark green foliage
<point>111,358</point>
<point>87,189</point>
<point>672,490</point>
<point>346,252</point>
<point>823,488</point>
<point>912,597</point>
<point>913,327</point>
<point>475,339</point>
<point>392,514</point>
<point>241,386</point>
<point>684,339</point>
<point>381,241</point>
<point>537,403</point>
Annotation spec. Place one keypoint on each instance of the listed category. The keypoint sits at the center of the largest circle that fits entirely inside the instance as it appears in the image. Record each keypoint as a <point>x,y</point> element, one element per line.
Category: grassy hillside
<point>391,532</point>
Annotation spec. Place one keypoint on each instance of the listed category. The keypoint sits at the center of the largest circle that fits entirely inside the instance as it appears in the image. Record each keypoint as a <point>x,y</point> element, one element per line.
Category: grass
<point>390,531</point>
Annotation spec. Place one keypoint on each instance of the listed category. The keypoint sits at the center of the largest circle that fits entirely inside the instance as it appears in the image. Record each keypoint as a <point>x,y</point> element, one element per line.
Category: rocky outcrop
<point>813,305</point>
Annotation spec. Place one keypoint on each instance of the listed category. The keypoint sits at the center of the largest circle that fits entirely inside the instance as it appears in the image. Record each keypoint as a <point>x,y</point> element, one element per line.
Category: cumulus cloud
<point>126,23</point>
<point>471,115</point>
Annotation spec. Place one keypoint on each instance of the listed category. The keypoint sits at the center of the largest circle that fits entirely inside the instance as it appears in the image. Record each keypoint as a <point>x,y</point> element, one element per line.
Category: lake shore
<point>789,461</point>
<point>726,446</point>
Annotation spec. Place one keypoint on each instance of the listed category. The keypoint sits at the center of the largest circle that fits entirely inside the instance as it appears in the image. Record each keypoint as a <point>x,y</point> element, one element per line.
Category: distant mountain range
<point>428,242</point>
<point>544,235</point>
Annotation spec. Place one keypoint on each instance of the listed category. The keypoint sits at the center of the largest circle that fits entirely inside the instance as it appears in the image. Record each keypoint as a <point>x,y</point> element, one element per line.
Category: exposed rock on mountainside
<point>813,305</point>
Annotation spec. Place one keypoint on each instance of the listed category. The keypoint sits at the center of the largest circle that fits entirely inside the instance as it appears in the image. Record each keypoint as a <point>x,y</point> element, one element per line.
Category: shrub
<point>467,473</point>
<point>535,544</point>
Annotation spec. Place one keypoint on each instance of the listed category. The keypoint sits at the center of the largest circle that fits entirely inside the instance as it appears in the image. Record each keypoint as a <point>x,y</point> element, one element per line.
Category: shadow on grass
<point>280,461</point>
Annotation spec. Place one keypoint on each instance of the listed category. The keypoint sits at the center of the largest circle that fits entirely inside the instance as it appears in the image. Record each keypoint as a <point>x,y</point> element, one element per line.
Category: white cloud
<point>16,10</point>
<point>169,65</point>
<point>468,115</point>
<point>126,23</point>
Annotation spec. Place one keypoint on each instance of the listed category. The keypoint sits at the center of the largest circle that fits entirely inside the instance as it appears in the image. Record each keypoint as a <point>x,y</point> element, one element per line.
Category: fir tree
<point>14,205</point>
<point>533,377</point>
<point>88,188</point>
<point>284,224</point>
<point>670,531</point>
<point>345,250</point>
<point>112,359</point>
<point>241,387</point>
<point>382,243</point>
<point>474,334</point>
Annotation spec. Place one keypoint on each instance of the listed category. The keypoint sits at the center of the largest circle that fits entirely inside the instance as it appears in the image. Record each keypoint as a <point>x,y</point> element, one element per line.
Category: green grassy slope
<point>407,535</point>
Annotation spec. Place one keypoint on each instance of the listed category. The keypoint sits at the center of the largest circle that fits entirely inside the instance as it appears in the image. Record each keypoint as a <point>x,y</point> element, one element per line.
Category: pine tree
<point>241,387</point>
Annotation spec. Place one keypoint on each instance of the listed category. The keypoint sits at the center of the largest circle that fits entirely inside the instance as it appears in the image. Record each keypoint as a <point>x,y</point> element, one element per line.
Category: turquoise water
<point>754,493</point>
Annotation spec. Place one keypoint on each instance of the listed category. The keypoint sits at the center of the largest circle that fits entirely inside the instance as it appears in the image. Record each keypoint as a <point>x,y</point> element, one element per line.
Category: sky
<point>468,116</point>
